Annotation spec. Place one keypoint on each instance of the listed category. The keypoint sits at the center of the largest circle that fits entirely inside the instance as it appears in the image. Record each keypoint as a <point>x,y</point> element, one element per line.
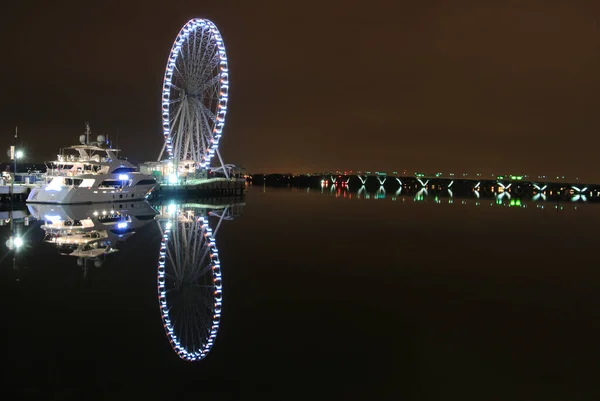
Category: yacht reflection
<point>190,290</point>
<point>89,232</point>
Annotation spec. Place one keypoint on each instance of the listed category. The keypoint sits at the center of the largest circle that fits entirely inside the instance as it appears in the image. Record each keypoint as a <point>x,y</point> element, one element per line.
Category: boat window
<point>146,182</point>
<point>122,170</point>
<point>87,183</point>
<point>146,217</point>
<point>111,184</point>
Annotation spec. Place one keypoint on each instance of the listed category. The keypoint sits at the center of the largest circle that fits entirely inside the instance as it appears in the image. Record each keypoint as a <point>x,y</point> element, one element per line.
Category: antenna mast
<point>87,133</point>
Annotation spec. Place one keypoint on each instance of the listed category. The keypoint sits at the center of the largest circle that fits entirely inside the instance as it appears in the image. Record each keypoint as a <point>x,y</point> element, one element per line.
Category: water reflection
<point>477,198</point>
<point>190,288</point>
<point>90,232</point>
<point>16,221</point>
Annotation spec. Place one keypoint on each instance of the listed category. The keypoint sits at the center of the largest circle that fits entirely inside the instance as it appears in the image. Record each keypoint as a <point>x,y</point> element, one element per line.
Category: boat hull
<point>75,195</point>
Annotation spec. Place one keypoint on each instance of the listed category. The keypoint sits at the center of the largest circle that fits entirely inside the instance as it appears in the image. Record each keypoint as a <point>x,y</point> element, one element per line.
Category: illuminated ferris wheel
<point>194,96</point>
<point>189,282</point>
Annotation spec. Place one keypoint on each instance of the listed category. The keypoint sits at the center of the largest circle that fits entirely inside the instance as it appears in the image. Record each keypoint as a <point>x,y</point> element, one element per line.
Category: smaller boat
<point>90,173</point>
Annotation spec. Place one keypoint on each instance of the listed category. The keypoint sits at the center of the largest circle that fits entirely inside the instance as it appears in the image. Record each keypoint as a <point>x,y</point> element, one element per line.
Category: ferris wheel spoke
<point>200,144</point>
<point>208,57</point>
<point>210,67</point>
<point>201,133</point>
<point>179,262</point>
<point>187,137</point>
<point>177,73</point>
<point>176,120</point>
<point>208,137</point>
<point>209,113</point>
<point>197,48</point>
<point>169,275</point>
<point>197,134</point>
<point>197,243</point>
<point>199,246</point>
<point>202,60</point>
<point>182,128</point>
<point>211,84</point>
<point>174,123</point>
<point>173,267</point>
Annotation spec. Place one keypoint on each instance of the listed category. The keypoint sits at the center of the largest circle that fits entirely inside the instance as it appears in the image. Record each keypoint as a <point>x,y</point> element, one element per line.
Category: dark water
<point>325,296</point>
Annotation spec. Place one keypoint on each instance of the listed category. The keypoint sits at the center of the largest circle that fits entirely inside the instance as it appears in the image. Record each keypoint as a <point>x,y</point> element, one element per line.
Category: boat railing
<point>82,159</point>
<point>63,173</point>
<point>59,173</point>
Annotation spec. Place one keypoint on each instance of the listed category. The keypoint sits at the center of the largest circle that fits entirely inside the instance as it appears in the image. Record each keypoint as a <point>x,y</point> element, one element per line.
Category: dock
<point>201,188</point>
<point>16,192</point>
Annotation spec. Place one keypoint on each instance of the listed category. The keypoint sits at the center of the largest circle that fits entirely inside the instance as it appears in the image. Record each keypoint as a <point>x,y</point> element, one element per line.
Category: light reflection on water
<point>189,270</point>
<point>372,289</point>
<point>504,199</point>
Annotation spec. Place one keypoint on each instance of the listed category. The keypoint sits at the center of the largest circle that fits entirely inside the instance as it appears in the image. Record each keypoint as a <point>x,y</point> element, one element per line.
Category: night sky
<point>461,86</point>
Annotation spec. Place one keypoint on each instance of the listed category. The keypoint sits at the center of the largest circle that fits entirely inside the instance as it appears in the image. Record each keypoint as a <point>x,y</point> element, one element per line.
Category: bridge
<point>508,186</point>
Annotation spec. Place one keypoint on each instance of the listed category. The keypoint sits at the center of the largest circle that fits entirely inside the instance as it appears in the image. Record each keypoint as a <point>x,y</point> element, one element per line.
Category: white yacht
<point>91,173</point>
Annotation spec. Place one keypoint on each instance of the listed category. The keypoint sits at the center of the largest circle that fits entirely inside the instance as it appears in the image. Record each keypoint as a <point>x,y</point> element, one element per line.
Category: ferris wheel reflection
<point>190,288</point>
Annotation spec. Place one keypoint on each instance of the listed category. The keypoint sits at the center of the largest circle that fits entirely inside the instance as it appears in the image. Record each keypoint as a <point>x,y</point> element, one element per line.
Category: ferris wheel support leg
<point>221,218</point>
<point>162,151</point>
<point>222,164</point>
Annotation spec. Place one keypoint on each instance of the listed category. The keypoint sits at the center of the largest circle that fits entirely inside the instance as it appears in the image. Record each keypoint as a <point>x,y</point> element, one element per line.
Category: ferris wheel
<point>194,96</point>
<point>189,282</point>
